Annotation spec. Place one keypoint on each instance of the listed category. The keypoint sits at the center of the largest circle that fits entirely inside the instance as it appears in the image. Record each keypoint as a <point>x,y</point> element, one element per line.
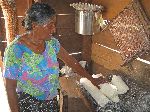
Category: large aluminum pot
<point>84,22</point>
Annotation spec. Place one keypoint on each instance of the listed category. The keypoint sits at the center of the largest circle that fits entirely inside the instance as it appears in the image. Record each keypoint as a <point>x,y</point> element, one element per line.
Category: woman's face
<point>44,32</point>
<point>51,26</point>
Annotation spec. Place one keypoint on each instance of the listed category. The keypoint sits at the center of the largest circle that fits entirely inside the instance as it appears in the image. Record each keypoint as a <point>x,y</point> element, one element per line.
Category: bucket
<point>84,22</point>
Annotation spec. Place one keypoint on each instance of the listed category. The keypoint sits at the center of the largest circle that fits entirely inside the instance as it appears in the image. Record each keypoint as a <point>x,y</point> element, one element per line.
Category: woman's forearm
<point>12,100</point>
<point>73,63</point>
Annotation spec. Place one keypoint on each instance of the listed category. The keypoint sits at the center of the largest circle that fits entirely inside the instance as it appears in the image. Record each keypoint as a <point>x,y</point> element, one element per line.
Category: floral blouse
<point>36,74</point>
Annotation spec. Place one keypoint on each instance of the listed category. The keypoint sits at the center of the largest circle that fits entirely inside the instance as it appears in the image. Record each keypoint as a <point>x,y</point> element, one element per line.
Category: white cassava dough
<point>120,84</point>
<point>110,91</point>
<point>97,75</point>
<point>99,97</point>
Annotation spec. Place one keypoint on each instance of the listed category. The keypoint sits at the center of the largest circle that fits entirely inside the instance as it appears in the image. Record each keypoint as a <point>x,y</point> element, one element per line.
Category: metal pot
<point>84,22</point>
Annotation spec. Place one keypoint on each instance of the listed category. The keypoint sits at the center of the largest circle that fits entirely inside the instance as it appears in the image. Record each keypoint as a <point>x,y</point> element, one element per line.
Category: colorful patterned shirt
<point>36,74</point>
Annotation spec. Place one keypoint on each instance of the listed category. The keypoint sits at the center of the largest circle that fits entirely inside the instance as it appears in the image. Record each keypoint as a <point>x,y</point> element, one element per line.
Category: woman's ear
<point>34,25</point>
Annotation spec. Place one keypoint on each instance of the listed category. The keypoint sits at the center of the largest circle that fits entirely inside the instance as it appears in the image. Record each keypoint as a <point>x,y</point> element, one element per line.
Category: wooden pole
<point>87,44</point>
<point>10,16</point>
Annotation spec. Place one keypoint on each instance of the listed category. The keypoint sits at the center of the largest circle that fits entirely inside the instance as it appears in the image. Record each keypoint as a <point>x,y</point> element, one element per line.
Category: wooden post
<point>86,51</point>
<point>87,44</point>
<point>11,21</point>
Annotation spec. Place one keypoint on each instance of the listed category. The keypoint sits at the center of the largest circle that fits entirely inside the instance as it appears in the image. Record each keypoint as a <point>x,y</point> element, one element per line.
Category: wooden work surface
<point>76,101</point>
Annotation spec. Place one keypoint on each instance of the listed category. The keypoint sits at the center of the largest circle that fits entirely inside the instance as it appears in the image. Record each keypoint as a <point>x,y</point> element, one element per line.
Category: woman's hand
<point>12,95</point>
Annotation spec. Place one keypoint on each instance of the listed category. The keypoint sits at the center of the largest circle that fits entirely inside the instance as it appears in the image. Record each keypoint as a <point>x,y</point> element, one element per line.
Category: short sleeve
<point>12,62</point>
<point>55,44</point>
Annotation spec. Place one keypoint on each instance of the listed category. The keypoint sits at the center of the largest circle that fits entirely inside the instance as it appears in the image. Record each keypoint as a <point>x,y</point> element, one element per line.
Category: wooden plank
<point>66,21</point>
<point>97,69</point>
<point>111,7</point>
<point>71,43</point>
<point>145,5</point>
<point>61,6</point>
<point>22,6</point>
<point>105,57</point>
<point>86,50</point>
<point>105,38</point>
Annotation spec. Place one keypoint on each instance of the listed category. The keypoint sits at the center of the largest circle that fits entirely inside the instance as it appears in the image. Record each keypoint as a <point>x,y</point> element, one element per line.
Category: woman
<point>30,63</point>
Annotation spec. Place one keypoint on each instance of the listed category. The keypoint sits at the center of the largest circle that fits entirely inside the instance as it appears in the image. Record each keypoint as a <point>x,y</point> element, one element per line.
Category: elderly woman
<point>31,69</point>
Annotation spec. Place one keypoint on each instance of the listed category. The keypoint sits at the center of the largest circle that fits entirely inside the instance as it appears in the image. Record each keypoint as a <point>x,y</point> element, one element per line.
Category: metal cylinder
<point>84,22</point>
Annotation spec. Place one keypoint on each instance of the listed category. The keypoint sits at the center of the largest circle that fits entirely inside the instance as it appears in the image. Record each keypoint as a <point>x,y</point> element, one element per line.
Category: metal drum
<point>84,22</point>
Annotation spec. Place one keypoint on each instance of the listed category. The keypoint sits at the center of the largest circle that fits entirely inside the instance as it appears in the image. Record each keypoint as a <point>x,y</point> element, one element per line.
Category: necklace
<point>37,43</point>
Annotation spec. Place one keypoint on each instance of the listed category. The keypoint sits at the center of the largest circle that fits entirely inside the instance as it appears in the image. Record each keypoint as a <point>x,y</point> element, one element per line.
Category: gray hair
<point>39,13</point>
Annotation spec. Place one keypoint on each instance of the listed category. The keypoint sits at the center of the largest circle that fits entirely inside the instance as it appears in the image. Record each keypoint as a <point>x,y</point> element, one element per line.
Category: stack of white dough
<point>120,84</point>
<point>99,97</point>
<point>110,91</point>
<point>107,92</point>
